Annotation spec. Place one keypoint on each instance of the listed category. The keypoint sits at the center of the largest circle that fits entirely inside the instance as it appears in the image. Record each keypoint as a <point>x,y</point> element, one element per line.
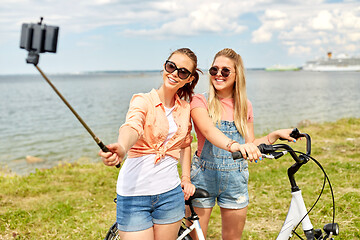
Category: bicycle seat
<point>199,193</point>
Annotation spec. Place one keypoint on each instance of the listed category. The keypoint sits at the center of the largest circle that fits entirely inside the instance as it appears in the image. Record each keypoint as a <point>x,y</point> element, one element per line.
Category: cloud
<point>308,27</point>
<point>299,50</point>
<point>323,21</point>
<point>273,20</point>
<point>261,35</point>
<point>297,26</point>
<point>193,18</point>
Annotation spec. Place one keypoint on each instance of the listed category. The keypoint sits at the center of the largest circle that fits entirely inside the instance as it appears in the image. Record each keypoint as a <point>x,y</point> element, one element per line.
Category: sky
<point>116,35</point>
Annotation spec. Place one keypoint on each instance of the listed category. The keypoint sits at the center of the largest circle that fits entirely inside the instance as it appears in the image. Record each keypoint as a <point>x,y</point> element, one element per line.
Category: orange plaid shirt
<point>147,117</point>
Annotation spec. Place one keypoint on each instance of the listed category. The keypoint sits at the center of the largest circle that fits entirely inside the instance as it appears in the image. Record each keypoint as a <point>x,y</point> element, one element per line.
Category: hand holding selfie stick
<point>40,38</point>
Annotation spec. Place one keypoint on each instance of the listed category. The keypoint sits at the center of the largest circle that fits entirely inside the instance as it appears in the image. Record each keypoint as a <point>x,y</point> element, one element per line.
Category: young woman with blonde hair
<point>224,123</point>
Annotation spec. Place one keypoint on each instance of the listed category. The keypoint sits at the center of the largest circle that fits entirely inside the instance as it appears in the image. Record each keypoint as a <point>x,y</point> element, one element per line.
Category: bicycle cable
<point>321,192</point>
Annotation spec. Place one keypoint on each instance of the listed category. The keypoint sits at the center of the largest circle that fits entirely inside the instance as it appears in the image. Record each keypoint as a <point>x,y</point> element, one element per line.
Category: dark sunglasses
<point>182,73</point>
<point>225,72</point>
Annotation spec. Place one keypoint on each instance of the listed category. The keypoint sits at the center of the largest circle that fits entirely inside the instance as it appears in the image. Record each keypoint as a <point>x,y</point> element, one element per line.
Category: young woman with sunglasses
<point>156,134</point>
<point>223,121</point>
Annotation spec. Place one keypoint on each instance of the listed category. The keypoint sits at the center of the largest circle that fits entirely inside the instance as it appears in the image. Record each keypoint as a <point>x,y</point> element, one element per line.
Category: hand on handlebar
<point>248,149</point>
<point>288,134</point>
<point>115,156</point>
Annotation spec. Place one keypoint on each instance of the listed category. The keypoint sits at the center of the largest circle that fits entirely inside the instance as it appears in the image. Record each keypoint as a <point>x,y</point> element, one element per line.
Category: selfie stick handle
<point>97,140</point>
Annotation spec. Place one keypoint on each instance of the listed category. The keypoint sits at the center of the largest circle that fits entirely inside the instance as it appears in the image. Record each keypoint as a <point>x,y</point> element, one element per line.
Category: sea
<point>34,122</point>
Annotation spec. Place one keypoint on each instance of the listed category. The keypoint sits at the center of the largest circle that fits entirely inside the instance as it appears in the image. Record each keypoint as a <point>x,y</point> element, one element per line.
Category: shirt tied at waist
<point>160,154</point>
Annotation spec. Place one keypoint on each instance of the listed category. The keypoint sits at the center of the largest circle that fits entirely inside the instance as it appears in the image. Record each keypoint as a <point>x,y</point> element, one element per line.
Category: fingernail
<point>260,158</point>
<point>255,161</point>
<point>294,140</point>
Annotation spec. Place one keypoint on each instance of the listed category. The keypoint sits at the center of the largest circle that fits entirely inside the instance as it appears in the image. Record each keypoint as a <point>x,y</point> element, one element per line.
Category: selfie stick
<point>33,39</point>
<point>97,140</point>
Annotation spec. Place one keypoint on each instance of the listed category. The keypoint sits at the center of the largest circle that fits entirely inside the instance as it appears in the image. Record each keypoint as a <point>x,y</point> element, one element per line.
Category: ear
<point>191,79</point>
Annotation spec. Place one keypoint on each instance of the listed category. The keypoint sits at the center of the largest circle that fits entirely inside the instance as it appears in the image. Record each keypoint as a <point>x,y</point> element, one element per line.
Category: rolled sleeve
<point>136,115</point>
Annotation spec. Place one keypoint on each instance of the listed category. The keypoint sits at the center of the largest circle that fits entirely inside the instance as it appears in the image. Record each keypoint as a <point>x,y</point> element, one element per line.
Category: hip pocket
<point>195,166</point>
<point>244,171</point>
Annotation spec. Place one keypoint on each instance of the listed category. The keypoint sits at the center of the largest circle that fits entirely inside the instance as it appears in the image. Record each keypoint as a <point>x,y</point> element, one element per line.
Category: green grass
<point>74,201</point>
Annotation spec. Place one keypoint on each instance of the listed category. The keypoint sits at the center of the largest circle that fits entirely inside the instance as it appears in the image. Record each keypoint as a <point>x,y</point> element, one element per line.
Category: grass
<point>74,201</point>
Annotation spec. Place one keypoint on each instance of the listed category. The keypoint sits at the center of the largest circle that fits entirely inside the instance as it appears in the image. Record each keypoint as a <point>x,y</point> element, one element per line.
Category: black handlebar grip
<point>237,155</point>
<point>105,149</point>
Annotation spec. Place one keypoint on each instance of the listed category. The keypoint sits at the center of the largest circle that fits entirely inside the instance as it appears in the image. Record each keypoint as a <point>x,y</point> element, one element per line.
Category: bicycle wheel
<point>112,233</point>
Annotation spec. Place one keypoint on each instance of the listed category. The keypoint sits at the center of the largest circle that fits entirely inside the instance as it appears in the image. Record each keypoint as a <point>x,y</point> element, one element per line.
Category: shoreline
<point>6,172</point>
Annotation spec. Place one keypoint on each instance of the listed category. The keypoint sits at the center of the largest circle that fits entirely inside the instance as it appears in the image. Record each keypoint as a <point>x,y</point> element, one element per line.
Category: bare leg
<point>233,222</point>
<point>166,231</point>
<point>204,215</point>
<point>147,234</point>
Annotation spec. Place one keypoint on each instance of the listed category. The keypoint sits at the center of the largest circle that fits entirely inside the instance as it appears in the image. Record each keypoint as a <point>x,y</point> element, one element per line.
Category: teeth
<point>172,80</point>
<point>219,80</point>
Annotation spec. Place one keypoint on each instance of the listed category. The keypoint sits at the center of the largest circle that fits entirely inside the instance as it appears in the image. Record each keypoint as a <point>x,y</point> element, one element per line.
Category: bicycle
<point>297,213</point>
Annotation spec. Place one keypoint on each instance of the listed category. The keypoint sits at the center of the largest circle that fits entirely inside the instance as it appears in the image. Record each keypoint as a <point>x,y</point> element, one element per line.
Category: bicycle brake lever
<point>267,156</point>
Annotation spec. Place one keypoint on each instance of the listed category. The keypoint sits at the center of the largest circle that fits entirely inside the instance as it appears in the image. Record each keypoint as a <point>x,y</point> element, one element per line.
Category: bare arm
<point>127,138</point>
<point>185,161</point>
<point>204,123</point>
<point>274,136</point>
<point>219,139</point>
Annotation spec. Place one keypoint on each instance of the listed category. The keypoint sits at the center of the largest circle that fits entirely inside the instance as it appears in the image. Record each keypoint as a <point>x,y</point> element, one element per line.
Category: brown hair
<point>239,94</point>
<point>187,91</point>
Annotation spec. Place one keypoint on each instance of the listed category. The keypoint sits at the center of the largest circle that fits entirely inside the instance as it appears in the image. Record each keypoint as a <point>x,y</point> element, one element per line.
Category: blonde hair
<point>239,94</point>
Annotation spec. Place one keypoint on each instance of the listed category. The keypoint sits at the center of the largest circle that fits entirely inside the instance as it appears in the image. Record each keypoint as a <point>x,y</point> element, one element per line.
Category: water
<point>34,121</point>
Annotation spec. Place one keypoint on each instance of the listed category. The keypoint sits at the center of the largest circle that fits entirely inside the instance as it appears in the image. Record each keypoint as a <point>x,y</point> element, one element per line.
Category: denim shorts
<point>137,213</point>
<point>226,183</point>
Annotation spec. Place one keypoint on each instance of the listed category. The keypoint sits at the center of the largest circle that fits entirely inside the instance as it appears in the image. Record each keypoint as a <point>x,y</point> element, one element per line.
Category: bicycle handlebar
<point>270,151</point>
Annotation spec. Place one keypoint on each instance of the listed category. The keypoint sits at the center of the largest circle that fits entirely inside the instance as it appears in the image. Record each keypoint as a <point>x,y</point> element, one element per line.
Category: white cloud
<point>299,50</point>
<point>322,21</point>
<point>354,36</point>
<point>352,47</point>
<point>309,26</point>
<point>201,17</point>
<point>274,14</point>
<point>261,35</point>
<point>298,26</point>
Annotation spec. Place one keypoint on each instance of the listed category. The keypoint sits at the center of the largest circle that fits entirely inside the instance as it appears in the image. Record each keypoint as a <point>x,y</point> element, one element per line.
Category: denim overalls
<point>224,178</point>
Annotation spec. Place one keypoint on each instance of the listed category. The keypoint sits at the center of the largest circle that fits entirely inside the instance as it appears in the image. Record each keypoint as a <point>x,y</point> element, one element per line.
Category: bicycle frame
<point>297,211</point>
<point>196,226</point>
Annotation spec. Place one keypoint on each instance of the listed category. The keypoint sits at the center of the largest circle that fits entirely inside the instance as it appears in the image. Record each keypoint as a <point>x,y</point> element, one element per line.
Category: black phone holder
<point>38,38</point>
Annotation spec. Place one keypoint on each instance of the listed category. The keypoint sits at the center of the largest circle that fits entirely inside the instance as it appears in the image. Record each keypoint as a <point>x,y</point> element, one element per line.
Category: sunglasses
<point>182,73</point>
<point>225,72</point>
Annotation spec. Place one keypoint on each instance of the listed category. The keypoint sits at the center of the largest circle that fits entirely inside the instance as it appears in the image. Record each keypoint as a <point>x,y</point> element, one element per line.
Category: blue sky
<point>140,34</point>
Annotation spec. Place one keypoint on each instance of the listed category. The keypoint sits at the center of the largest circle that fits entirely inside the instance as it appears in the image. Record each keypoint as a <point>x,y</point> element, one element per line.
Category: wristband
<point>228,146</point>
<point>188,177</point>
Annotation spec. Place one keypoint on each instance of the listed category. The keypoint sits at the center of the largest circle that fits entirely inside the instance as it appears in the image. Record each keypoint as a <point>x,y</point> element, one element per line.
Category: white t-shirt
<point>140,176</point>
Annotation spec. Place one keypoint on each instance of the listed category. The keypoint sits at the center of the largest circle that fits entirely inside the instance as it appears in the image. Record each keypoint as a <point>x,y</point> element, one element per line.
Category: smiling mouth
<point>172,80</point>
<point>219,80</point>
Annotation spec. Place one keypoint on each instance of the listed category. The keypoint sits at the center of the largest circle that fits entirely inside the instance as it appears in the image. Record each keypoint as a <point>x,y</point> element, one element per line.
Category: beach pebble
<point>32,159</point>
